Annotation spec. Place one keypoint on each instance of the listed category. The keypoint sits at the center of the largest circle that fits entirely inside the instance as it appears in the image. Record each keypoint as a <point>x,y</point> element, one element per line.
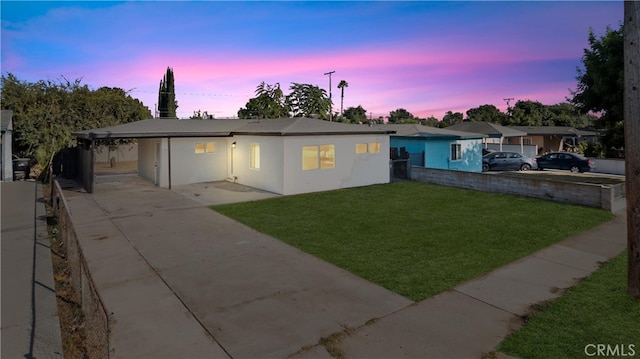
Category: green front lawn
<point>596,312</point>
<point>413,238</point>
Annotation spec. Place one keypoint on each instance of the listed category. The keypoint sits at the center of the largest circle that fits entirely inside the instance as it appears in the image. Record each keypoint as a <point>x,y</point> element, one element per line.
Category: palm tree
<point>341,86</point>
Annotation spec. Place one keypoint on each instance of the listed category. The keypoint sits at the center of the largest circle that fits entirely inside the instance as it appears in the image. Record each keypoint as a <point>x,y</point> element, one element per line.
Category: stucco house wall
<point>188,166</point>
<point>351,169</point>
<point>437,152</point>
<point>6,143</point>
<point>269,176</point>
<point>147,159</point>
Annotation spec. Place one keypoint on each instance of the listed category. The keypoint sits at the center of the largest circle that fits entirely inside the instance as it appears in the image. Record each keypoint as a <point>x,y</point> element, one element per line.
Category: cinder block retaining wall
<point>610,198</point>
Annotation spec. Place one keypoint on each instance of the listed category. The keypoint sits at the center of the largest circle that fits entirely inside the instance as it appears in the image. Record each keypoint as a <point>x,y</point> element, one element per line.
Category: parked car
<point>504,161</point>
<point>566,161</point>
<point>486,151</point>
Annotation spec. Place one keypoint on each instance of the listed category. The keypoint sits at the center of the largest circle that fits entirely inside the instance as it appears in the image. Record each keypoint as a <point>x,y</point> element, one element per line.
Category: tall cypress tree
<point>167,103</point>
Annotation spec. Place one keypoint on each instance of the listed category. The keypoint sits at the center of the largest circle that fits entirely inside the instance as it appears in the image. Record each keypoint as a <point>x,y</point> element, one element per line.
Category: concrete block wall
<point>590,195</point>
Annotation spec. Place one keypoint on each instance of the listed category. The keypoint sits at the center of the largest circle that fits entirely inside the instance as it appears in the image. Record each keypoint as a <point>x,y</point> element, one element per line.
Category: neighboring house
<point>552,138</point>
<point>6,158</point>
<point>285,156</point>
<point>497,135</point>
<point>433,147</point>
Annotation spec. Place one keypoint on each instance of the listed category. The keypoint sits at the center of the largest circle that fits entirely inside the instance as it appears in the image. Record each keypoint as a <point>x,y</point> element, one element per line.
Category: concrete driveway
<point>184,281</point>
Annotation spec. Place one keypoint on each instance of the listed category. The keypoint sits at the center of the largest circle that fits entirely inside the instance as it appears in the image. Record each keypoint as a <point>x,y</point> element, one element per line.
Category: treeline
<point>523,113</point>
<point>46,112</point>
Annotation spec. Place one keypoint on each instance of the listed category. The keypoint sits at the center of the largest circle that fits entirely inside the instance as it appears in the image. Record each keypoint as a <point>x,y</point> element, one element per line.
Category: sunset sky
<point>424,56</point>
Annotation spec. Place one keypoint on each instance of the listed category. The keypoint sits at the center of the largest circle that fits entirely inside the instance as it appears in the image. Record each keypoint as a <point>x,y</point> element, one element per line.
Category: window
<point>327,156</point>
<point>527,141</point>
<point>255,156</point>
<point>309,157</point>
<point>371,147</point>
<point>208,147</point>
<point>322,157</point>
<point>456,152</point>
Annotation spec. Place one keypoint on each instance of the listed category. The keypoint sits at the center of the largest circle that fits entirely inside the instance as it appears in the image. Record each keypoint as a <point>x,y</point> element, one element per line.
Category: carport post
<point>169,159</point>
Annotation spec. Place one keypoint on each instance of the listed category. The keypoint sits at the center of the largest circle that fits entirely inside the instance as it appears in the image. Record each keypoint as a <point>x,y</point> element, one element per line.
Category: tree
<point>341,86</point>
<point>452,118</point>
<point>355,114</point>
<point>401,116</point>
<point>486,113</point>
<point>269,102</point>
<point>566,114</point>
<point>201,115</point>
<point>529,113</point>
<point>308,100</point>
<point>601,85</point>
<point>167,103</point>
<point>431,121</point>
<point>45,113</point>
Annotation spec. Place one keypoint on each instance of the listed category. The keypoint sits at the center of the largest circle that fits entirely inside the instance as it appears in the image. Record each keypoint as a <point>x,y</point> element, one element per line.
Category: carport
<point>492,130</point>
<point>146,129</point>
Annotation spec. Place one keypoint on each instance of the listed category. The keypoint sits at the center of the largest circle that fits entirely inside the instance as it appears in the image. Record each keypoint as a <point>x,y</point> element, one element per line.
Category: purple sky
<point>426,57</point>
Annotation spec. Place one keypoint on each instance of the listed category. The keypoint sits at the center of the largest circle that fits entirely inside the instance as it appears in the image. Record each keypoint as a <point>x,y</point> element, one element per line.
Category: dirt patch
<point>70,315</point>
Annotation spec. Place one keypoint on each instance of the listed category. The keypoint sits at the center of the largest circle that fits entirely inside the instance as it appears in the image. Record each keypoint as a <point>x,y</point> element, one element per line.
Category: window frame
<point>455,152</point>
<point>254,156</point>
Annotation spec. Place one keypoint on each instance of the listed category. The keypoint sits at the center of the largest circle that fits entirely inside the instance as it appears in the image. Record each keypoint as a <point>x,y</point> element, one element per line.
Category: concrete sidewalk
<point>184,281</point>
<point>476,316</point>
<point>30,325</point>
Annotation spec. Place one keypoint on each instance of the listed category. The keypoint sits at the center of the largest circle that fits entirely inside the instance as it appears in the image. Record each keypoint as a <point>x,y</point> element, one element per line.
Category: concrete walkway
<point>184,281</point>
<point>30,325</point>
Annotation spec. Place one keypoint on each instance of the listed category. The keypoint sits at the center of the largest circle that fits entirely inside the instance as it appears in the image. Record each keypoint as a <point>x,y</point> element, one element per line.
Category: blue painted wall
<point>437,152</point>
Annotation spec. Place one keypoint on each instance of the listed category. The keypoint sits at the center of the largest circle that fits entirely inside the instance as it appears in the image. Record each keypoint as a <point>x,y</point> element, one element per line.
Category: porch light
<point>233,145</point>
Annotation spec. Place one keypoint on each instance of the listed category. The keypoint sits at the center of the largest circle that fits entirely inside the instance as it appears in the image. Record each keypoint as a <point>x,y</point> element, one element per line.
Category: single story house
<point>433,147</point>
<point>552,138</point>
<point>6,157</point>
<point>284,156</point>
<point>497,135</point>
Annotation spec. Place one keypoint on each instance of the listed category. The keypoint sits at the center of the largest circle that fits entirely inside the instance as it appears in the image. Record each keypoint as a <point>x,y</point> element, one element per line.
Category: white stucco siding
<point>269,175</point>
<point>351,169</point>
<point>147,158</point>
<point>188,166</point>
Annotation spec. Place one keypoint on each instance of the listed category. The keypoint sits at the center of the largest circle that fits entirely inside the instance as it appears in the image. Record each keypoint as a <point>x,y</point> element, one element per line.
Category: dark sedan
<point>565,161</point>
<point>504,161</point>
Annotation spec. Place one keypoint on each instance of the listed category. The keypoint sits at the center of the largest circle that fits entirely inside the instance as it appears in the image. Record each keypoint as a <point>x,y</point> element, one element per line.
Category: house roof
<point>154,128</point>
<point>5,120</point>
<point>416,130</point>
<point>554,130</point>
<point>487,128</point>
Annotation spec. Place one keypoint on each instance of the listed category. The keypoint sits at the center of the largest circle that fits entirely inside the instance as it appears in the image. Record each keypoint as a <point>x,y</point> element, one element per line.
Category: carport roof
<point>416,130</point>
<point>491,129</point>
<point>554,130</point>
<point>156,128</point>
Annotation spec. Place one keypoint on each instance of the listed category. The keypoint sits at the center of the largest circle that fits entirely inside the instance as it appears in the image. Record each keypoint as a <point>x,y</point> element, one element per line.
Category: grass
<point>413,238</point>
<point>597,311</point>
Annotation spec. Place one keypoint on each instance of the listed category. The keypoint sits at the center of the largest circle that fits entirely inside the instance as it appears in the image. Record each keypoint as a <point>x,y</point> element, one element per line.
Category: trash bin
<point>21,169</point>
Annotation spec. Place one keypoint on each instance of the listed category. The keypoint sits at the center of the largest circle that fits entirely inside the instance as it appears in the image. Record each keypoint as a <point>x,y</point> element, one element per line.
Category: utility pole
<point>330,101</point>
<point>631,51</point>
<point>508,99</point>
